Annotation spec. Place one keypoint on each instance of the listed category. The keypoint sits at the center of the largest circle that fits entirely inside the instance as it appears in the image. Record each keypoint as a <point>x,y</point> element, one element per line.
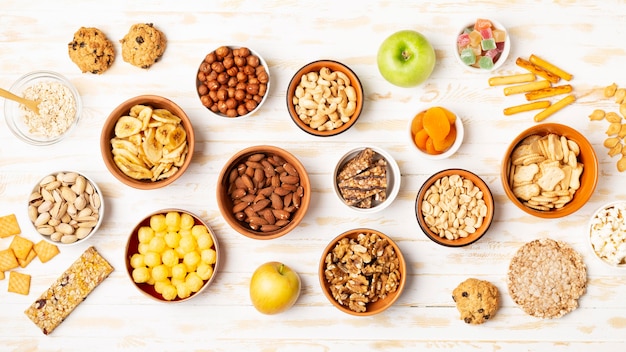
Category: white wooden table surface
<point>584,37</point>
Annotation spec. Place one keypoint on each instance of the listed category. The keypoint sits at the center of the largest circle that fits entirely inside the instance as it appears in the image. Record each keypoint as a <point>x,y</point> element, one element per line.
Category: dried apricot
<point>417,124</point>
<point>420,139</point>
<point>447,142</point>
<point>430,147</point>
<point>436,123</point>
<point>450,115</point>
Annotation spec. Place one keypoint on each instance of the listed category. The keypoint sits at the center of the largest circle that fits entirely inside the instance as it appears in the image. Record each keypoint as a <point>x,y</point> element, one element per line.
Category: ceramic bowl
<point>315,75</point>
<point>138,177</point>
<point>415,125</point>
<point>366,201</point>
<point>38,130</point>
<point>193,248</point>
<point>607,234</point>
<point>586,157</point>
<point>224,83</point>
<point>503,51</point>
<point>268,203</point>
<point>66,207</point>
<point>329,264</point>
<point>480,216</point>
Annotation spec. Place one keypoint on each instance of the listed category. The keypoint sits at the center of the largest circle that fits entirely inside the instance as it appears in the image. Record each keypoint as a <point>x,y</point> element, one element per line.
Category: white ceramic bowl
<point>460,134</point>
<point>15,116</point>
<point>95,207</point>
<point>503,56</point>
<point>392,173</point>
<point>259,104</point>
<point>607,229</point>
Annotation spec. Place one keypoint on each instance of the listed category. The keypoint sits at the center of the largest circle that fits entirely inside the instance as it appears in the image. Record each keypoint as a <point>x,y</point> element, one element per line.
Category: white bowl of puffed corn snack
<point>607,234</point>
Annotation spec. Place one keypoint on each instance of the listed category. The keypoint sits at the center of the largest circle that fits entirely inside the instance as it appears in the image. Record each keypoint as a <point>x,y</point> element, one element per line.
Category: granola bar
<point>366,182</point>
<point>71,288</point>
<point>356,165</point>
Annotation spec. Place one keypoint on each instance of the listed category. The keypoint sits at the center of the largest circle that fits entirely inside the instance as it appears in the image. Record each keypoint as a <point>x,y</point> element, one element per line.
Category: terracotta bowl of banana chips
<point>147,142</point>
<point>549,170</point>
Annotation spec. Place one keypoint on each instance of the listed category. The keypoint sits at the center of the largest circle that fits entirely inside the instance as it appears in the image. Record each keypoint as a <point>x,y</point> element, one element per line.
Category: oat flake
<point>57,109</point>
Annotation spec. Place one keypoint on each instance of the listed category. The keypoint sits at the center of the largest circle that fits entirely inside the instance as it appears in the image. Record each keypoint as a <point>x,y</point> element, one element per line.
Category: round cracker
<point>546,278</point>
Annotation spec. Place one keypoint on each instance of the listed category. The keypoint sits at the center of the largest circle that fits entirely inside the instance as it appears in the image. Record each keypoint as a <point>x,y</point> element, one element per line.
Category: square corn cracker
<point>21,246</point>
<point>19,283</point>
<point>45,251</point>
<point>1,275</point>
<point>9,226</point>
<point>29,258</point>
<point>7,260</point>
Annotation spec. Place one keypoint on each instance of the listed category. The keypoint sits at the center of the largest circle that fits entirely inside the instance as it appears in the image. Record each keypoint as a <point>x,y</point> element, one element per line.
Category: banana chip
<point>149,144</point>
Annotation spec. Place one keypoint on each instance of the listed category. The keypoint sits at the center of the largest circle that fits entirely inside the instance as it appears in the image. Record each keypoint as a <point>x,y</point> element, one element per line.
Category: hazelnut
<point>240,94</point>
<point>231,113</point>
<point>222,51</point>
<point>205,67</point>
<point>217,67</point>
<point>244,52</point>
<point>232,82</point>
<point>210,58</point>
<point>203,90</point>
<point>251,105</point>
<point>241,77</point>
<point>214,108</point>
<point>201,76</point>
<point>252,88</point>
<point>239,61</point>
<point>213,85</point>
<point>222,94</point>
<point>253,60</point>
<point>206,101</point>
<point>228,62</point>
<point>249,70</point>
<point>262,89</point>
<point>231,103</point>
<point>241,110</point>
<point>222,78</point>
<point>263,77</point>
<point>232,71</point>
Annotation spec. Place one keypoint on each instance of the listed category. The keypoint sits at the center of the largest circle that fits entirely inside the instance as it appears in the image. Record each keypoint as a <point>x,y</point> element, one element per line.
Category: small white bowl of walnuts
<point>233,81</point>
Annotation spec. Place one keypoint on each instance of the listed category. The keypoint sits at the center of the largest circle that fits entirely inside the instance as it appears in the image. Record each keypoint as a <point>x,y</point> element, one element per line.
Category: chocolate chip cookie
<point>91,50</point>
<point>143,45</point>
<point>476,300</point>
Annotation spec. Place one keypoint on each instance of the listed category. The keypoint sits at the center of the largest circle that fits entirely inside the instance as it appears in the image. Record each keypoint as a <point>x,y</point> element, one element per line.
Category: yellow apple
<point>274,288</point>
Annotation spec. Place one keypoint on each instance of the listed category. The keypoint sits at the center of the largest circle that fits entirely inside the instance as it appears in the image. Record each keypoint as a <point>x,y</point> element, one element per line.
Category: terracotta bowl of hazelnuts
<point>233,81</point>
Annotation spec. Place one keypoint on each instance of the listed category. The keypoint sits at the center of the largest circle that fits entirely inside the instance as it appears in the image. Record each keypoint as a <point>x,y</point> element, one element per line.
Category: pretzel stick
<point>527,87</point>
<point>539,71</point>
<point>526,107</point>
<point>550,67</point>
<point>555,107</point>
<point>516,78</point>
<point>548,92</point>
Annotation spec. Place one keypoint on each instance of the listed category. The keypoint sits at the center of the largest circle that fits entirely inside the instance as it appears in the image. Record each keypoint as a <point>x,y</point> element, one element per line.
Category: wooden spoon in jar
<point>31,104</point>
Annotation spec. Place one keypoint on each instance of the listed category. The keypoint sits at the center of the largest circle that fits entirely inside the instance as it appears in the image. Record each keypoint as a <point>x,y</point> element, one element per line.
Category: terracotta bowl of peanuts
<point>233,81</point>
<point>377,272</point>
<point>325,98</point>
<point>66,207</point>
<point>549,170</point>
<point>147,142</point>
<point>172,255</point>
<point>263,192</point>
<point>454,208</point>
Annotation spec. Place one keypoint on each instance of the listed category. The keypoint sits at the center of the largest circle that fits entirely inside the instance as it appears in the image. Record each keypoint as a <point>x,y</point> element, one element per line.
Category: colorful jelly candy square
<point>482,23</point>
<point>499,35</point>
<point>486,33</point>
<point>463,40</point>
<point>488,44</point>
<point>475,38</point>
<point>485,62</point>
<point>492,53</point>
<point>468,57</point>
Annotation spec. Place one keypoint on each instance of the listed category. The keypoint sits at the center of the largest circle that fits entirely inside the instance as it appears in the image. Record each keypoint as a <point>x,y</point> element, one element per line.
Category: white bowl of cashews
<point>325,98</point>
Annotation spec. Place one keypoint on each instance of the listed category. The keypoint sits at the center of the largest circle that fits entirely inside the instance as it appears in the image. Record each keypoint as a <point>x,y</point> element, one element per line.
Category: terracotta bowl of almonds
<point>454,208</point>
<point>549,170</point>
<point>325,98</point>
<point>172,255</point>
<point>147,142</point>
<point>366,179</point>
<point>233,81</point>
<point>365,254</point>
<point>66,207</point>
<point>263,192</point>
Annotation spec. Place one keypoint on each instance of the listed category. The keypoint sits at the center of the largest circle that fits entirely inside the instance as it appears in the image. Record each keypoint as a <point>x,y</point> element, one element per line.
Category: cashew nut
<point>325,100</point>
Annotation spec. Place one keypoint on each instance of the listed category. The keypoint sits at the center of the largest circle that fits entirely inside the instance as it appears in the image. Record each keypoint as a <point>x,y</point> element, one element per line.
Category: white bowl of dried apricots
<point>172,255</point>
<point>437,133</point>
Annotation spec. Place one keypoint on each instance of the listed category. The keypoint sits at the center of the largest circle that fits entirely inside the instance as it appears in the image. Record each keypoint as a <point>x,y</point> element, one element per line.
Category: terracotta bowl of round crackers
<point>454,208</point>
<point>379,253</point>
<point>325,83</point>
<point>540,180</point>
<point>147,142</point>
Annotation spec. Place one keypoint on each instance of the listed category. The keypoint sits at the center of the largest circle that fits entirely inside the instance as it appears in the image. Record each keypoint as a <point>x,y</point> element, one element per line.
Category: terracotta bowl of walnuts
<point>365,253</point>
<point>325,98</point>
<point>233,81</point>
<point>263,192</point>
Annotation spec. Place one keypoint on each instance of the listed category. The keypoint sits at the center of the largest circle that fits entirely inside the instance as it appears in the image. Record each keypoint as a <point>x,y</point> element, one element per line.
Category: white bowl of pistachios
<point>66,207</point>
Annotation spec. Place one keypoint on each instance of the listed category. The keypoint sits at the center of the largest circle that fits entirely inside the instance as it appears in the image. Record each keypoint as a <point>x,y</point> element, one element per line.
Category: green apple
<point>406,58</point>
<point>274,288</point>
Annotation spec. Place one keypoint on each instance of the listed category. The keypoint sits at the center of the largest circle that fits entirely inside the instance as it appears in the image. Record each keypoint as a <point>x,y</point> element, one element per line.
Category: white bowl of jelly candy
<point>483,45</point>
